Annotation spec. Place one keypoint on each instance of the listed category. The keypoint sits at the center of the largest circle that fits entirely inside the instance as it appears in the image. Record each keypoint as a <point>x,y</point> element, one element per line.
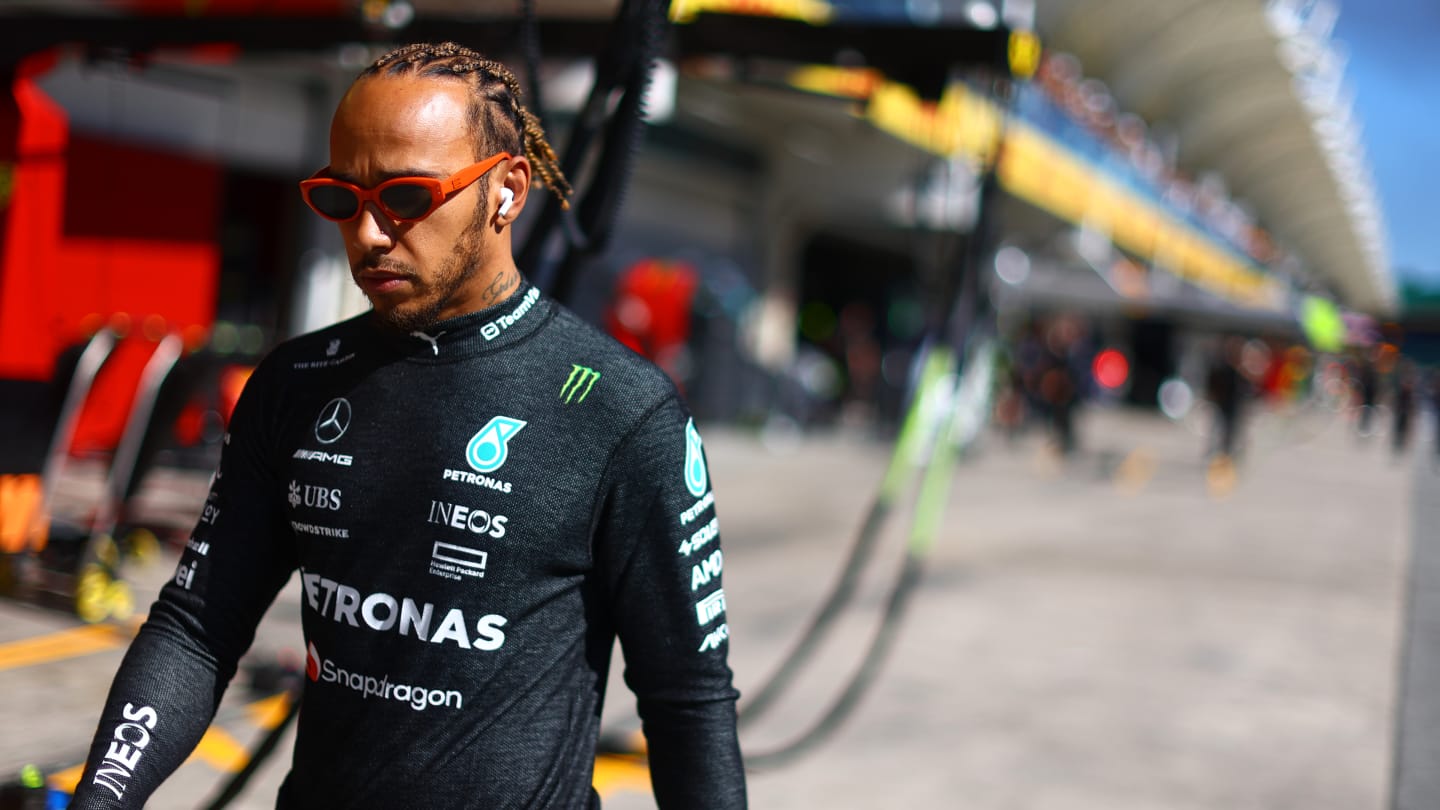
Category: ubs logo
<point>314,497</point>
<point>333,421</point>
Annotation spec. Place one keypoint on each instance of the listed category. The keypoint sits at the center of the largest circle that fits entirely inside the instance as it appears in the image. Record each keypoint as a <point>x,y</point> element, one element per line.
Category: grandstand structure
<point>1255,93</point>
<point>1188,164</point>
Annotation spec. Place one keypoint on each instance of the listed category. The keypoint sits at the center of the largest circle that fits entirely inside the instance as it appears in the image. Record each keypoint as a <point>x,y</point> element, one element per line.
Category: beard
<point>432,296</point>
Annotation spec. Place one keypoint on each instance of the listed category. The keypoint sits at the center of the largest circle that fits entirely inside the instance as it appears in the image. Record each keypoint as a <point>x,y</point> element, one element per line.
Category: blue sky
<point>1394,69</point>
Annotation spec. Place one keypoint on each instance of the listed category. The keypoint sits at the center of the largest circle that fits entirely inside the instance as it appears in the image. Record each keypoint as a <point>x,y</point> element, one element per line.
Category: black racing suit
<point>476,514</point>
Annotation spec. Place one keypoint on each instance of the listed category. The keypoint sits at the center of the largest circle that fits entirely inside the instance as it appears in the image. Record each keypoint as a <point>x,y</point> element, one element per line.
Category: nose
<point>373,230</point>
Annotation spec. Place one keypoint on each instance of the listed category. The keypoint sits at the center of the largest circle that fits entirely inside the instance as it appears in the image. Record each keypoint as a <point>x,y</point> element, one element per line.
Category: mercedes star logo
<point>334,419</point>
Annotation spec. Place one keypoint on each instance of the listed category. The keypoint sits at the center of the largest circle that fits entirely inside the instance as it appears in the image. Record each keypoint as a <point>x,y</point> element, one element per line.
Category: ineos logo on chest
<point>333,421</point>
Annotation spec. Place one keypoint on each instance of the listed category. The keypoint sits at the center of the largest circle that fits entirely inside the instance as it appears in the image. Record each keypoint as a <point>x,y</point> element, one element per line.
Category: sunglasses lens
<point>334,202</point>
<point>406,200</point>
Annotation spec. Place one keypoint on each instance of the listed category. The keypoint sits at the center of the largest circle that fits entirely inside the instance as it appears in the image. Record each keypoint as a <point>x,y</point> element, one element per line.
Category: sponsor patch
<point>697,480</point>
<point>490,446</point>
<point>710,608</point>
<point>333,421</point>
<point>128,742</point>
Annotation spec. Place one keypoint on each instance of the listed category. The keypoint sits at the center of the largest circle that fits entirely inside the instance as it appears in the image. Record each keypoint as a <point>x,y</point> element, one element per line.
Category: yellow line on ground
<point>71,643</point>
<point>614,774</point>
<point>223,752</point>
<point>268,712</point>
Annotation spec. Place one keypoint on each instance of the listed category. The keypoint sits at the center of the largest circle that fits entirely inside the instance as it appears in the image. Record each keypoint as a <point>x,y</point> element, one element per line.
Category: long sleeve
<point>660,540</point>
<point>175,672</point>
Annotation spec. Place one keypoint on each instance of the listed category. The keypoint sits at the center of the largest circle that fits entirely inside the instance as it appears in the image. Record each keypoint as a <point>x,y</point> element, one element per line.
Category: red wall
<point>94,228</point>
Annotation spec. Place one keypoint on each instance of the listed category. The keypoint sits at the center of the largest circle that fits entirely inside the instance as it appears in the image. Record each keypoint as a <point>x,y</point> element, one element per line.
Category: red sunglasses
<point>404,199</point>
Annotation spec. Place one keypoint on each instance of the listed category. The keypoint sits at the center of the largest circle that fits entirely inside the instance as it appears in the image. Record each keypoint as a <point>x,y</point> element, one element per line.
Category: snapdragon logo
<point>384,613</point>
<point>418,698</point>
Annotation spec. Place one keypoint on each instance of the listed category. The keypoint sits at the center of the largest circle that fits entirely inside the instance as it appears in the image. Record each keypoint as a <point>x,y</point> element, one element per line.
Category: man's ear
<point>512,191</point>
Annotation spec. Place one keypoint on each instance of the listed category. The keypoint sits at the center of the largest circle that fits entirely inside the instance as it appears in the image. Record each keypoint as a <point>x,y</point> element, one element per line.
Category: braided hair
<point>495,114</point>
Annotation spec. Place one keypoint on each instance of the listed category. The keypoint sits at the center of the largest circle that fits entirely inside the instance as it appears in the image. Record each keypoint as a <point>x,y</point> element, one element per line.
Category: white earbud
<point>506,198</point>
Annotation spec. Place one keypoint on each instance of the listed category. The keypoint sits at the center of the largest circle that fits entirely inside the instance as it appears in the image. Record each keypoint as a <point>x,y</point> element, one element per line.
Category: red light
<point>1110,368</point>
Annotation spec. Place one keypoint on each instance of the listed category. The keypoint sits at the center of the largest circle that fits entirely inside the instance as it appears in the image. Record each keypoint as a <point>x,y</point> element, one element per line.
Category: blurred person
<point>1402,406</point>
<point>861,353</point>
<point>1434,395</point>
<point>480,492</point>
<point>1367,380</point>
<point>1059,383</point>
<point>1225,388</point>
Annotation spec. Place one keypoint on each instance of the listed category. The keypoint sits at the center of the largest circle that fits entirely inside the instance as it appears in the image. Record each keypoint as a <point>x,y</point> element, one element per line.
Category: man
<point>480,492</point>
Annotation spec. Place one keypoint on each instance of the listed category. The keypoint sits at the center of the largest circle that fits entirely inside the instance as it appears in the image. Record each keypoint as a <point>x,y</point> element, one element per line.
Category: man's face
<point>414,273</point>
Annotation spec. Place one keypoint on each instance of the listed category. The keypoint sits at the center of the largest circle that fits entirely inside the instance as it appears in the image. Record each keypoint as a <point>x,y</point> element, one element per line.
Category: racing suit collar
<point>501,325</point>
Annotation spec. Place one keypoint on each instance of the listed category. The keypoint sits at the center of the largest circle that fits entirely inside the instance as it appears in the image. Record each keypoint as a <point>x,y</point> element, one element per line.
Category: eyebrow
<point>390,175</point>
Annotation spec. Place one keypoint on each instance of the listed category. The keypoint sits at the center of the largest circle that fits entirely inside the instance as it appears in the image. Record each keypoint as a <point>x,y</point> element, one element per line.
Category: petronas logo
<point>696,478</point>
<point>488,448</point>
<point>578,384</point>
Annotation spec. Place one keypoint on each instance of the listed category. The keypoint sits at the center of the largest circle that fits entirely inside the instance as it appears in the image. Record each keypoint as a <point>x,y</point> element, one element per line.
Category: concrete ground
<point>1120,630</point>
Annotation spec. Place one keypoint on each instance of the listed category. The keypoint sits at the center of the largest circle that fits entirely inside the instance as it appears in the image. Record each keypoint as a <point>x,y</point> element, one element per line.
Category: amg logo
<point>342,459</point>
<point>127,744</point>
<point>708,569</point>
<point>710,608</point>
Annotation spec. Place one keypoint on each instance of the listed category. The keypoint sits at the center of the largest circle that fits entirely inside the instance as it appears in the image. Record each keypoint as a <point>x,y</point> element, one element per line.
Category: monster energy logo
<point>580,381</point>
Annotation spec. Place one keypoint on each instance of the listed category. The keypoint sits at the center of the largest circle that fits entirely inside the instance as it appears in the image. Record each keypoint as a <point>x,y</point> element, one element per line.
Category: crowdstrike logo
<point>696,478</point>
<point>489,447</point>
<point>333,421</point>
<point>418,698</point>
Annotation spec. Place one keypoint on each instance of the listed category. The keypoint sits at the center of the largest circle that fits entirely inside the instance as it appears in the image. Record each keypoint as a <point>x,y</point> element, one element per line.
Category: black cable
<point>626,66</point>
<point>860,682</point>
<point>262,752</point>
<point>530,46</point>
<point>967,305</point>
<point>820,625</point>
